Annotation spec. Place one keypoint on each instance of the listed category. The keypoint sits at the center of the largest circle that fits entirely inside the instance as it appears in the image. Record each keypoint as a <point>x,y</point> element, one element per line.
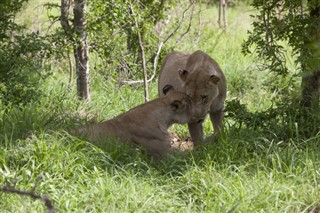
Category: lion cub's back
<point>168,73</point>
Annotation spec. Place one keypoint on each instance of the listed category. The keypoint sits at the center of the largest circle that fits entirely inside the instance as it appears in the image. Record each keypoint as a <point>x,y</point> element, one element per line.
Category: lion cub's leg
<point>163,149</point>
<point>154,146</point>
<point>196,133</point>
<point>216,120</point>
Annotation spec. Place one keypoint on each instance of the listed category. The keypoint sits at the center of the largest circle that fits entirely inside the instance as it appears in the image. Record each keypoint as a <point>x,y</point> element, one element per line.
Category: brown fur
<point>201,78</point>
<point>145,125</point>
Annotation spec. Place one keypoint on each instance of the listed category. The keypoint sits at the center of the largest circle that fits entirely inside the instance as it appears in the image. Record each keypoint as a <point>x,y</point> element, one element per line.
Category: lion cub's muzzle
<point>197,119</point>
<point>200,121</point>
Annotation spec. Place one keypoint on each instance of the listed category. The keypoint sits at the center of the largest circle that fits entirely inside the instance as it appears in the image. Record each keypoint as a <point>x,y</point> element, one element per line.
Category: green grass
<point>241,174</point>
<point>253,167</point>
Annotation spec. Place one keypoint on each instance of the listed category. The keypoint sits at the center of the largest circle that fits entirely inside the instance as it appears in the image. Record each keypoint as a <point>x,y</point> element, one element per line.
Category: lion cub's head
<point>202,88</point>
<point>180,104</point>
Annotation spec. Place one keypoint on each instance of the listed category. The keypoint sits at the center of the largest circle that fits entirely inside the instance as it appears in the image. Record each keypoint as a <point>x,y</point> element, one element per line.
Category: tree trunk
<point>310,89</point>
<point>222,12</point>
<point>81,51</point>
<point>311,76</point>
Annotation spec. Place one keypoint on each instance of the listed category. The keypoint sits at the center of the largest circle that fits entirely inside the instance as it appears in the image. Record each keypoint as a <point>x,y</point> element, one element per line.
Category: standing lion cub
<point>201,78</point>
<point>146,125</point>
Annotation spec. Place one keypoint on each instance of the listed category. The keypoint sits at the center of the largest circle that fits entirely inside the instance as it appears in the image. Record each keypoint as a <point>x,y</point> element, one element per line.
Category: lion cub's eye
<point>204,98</point>
<point>189,96</point>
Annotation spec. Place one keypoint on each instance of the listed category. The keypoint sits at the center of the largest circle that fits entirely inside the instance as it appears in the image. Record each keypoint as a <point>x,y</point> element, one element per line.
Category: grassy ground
<point>250,169</point>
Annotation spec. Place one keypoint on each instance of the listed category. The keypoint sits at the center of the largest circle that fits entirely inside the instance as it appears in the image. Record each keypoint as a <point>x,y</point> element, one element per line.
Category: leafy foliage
<point>22,68</point>
<point>114,35</point>
<point>21,58</point>
<point>253,168</point>
<point>8,10</point>
<point>279,22</point>
<point>283,120</point>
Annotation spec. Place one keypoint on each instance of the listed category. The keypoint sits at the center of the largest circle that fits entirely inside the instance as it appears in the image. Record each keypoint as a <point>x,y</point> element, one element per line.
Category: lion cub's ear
<point>167,88</point>
<point>183,74</point>
<point>213,80</point>
<point>177,105</point>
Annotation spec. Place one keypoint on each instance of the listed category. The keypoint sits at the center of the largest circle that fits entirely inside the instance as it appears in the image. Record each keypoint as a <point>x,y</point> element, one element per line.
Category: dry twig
<point>47,202</point>
<point>161,44</point>
<point>144,67</point>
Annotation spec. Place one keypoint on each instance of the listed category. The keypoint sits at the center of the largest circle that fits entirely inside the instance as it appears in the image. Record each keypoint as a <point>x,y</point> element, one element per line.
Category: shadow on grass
<point>249,138</point>
<point>235,148</point>
<point>283,121</point>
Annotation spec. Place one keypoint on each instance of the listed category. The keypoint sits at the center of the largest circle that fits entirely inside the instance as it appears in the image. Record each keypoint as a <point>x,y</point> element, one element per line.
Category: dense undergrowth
<point>266,160</point>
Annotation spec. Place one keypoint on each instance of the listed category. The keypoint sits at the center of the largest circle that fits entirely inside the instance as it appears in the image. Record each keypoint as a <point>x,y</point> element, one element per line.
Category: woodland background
<point>267,160</point>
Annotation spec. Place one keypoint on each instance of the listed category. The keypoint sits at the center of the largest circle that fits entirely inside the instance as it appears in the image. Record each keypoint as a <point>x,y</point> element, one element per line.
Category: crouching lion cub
<point>201,78</point>
<point>146,125</point>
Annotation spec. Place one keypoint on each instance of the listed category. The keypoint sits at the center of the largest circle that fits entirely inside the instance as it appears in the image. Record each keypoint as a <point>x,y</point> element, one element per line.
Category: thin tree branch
<point>180,22</point>
<point>155,64</point>
<point>70,68</point>
<point>200,25</point>
<point>144,68</point>
<point>47,202</point>
<point>161,44</point>
<point>190,23</point>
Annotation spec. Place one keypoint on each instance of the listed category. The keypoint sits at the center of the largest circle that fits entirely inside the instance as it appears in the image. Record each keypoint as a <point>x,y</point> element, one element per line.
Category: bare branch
<point>156,59</point>
<point>155,64</point>
<point>47,202</point>
<point>190,23</point>
<point>144,68</point>
<point>180,22</point>
<point>70,68</point>
<point>266,23</point>
<point>200,25</point>
<point>161,44</point>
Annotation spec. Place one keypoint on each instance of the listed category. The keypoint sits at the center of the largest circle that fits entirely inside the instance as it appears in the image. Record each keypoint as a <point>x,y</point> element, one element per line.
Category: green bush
<point>282,120</point>
<point>22,68</point>
<point>22,58</point>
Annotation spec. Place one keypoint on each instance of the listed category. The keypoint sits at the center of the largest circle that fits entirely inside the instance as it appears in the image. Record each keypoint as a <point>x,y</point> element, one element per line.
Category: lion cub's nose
<point>200,121</point>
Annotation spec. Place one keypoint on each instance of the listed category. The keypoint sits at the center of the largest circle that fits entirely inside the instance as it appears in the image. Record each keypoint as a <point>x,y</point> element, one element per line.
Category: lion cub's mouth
<point>196,120</point>
<point>200,121</point>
